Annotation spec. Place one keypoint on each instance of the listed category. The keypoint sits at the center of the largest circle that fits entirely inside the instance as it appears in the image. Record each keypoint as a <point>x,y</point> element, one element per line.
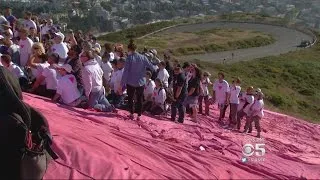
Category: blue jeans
<point>97,100</point>
<point>178,105</point>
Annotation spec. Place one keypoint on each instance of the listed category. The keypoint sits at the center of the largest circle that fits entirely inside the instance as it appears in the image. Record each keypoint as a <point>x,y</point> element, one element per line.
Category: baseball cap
<point>59,34</point>
<point>66,67</point>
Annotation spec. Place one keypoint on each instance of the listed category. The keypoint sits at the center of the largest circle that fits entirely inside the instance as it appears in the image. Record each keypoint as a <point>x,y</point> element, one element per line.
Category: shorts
<point>191,101</point>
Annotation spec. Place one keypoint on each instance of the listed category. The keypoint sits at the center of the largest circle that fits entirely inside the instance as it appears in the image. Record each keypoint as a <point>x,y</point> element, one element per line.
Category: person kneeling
<point>157,106</point>
<point>92,75</point>
<point>67,91</point>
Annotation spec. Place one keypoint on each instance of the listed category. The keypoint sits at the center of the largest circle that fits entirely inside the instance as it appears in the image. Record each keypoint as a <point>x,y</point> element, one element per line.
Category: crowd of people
<point>75,70</point>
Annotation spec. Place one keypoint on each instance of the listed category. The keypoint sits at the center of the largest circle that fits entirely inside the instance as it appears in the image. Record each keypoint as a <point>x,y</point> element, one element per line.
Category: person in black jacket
<point>74,61</point>
<point>22,128</point>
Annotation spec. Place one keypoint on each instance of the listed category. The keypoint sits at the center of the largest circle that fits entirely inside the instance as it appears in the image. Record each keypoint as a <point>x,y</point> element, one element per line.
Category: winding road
<point>286,41</point>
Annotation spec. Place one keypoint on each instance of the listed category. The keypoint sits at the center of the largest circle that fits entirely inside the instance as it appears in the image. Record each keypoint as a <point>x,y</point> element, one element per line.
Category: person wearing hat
<point>25,45</point>
<point>246,100</point>
<point>59,46</point>
<point>67,91</point>
<point>255,113</point>
<point>28,22</point>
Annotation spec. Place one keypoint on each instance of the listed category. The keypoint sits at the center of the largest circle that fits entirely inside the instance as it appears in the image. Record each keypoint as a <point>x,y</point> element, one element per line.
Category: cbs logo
<point>249,150</point>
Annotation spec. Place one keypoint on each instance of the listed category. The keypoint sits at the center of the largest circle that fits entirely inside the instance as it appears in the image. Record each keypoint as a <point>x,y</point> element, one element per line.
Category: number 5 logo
<point>248,150</point>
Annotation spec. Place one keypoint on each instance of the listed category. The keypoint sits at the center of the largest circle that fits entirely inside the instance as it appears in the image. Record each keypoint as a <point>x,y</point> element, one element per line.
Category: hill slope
<point>101,146</point>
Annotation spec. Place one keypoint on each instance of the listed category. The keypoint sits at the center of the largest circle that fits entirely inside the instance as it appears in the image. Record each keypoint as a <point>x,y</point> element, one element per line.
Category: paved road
<point>287,40</point>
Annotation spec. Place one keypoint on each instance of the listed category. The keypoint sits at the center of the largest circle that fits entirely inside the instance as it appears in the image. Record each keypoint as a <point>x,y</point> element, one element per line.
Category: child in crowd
<point>106,66</point>
<point>221,91</point>
<point>37,62</point>
<point>118,89</point>
<point>67,91</point>
<point>255,113</point>
<point>163,74</point>
<point>246,100</point>
<point>204,93</point>
<point>157,106</point>
<point>149,87</point>
<point>235,90</point>
<point>15,70</point>
<point>49,76</point>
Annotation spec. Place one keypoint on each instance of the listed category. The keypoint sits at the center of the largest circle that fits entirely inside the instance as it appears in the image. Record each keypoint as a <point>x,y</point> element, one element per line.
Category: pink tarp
<point>103,146</point>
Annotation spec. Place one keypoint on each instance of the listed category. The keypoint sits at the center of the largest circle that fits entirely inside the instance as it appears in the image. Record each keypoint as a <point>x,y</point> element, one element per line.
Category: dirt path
<point>286,41</point>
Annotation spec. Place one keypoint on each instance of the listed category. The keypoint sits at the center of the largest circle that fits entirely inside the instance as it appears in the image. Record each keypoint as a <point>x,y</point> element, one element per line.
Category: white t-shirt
<point>51,78</point>
<point>67,88</point>
<point>98,59</point>
<point>36,72</point>
<point>148,89</point>
<point>163,75</point>
<point>16,70</point>
<point>246,99</point>
<point>25,50</point>
<point>258,107</point>
<point>234,94</point>
<point>159,96</point>
<point>221,88</point>
<point>29,24</point>
<point>107,70</point>
<point>60,49</point>
<point>117,79</point>
<point>45,29</point>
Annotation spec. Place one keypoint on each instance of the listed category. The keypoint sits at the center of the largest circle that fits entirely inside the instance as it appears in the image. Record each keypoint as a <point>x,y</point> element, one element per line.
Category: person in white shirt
<point>246,100</point>
<point>255,113</point>
<point>92,76</point>
<point>221,95</point>
<point>97,57</point>
<point>15,70</point>
<point>3,20</point>
<point>95,44</point>
<point>235,90</point>
<point>204,93</point>
<point>67,91</point>
<point>60,47</point>
<point>107,69</point>
<point>163,74</point>
<point>149,87</point>
<point>45,29</point>
<point>49,76</point>
<point>28,23</point>
<point>157,106</point>
<point>118,94</point>
<point>25,45</point>
<point>13,51</point>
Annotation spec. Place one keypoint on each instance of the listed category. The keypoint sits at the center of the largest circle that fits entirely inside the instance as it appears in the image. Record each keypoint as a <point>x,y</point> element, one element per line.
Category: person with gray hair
<point>255,113</point>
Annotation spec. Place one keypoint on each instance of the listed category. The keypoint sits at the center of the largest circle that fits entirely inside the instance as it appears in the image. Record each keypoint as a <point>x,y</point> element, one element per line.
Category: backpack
<point>24,134</point>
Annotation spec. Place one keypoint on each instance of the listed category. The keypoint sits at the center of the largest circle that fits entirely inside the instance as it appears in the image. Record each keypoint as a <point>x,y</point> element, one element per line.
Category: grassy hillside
<point>212,40</point>
<point>291,82</point>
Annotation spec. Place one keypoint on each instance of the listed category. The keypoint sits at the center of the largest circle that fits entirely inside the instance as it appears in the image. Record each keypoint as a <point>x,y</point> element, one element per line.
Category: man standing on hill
<point>28,23</point>
<point>220,95</point>
<point>134,78</point>
<point>179,93</point>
